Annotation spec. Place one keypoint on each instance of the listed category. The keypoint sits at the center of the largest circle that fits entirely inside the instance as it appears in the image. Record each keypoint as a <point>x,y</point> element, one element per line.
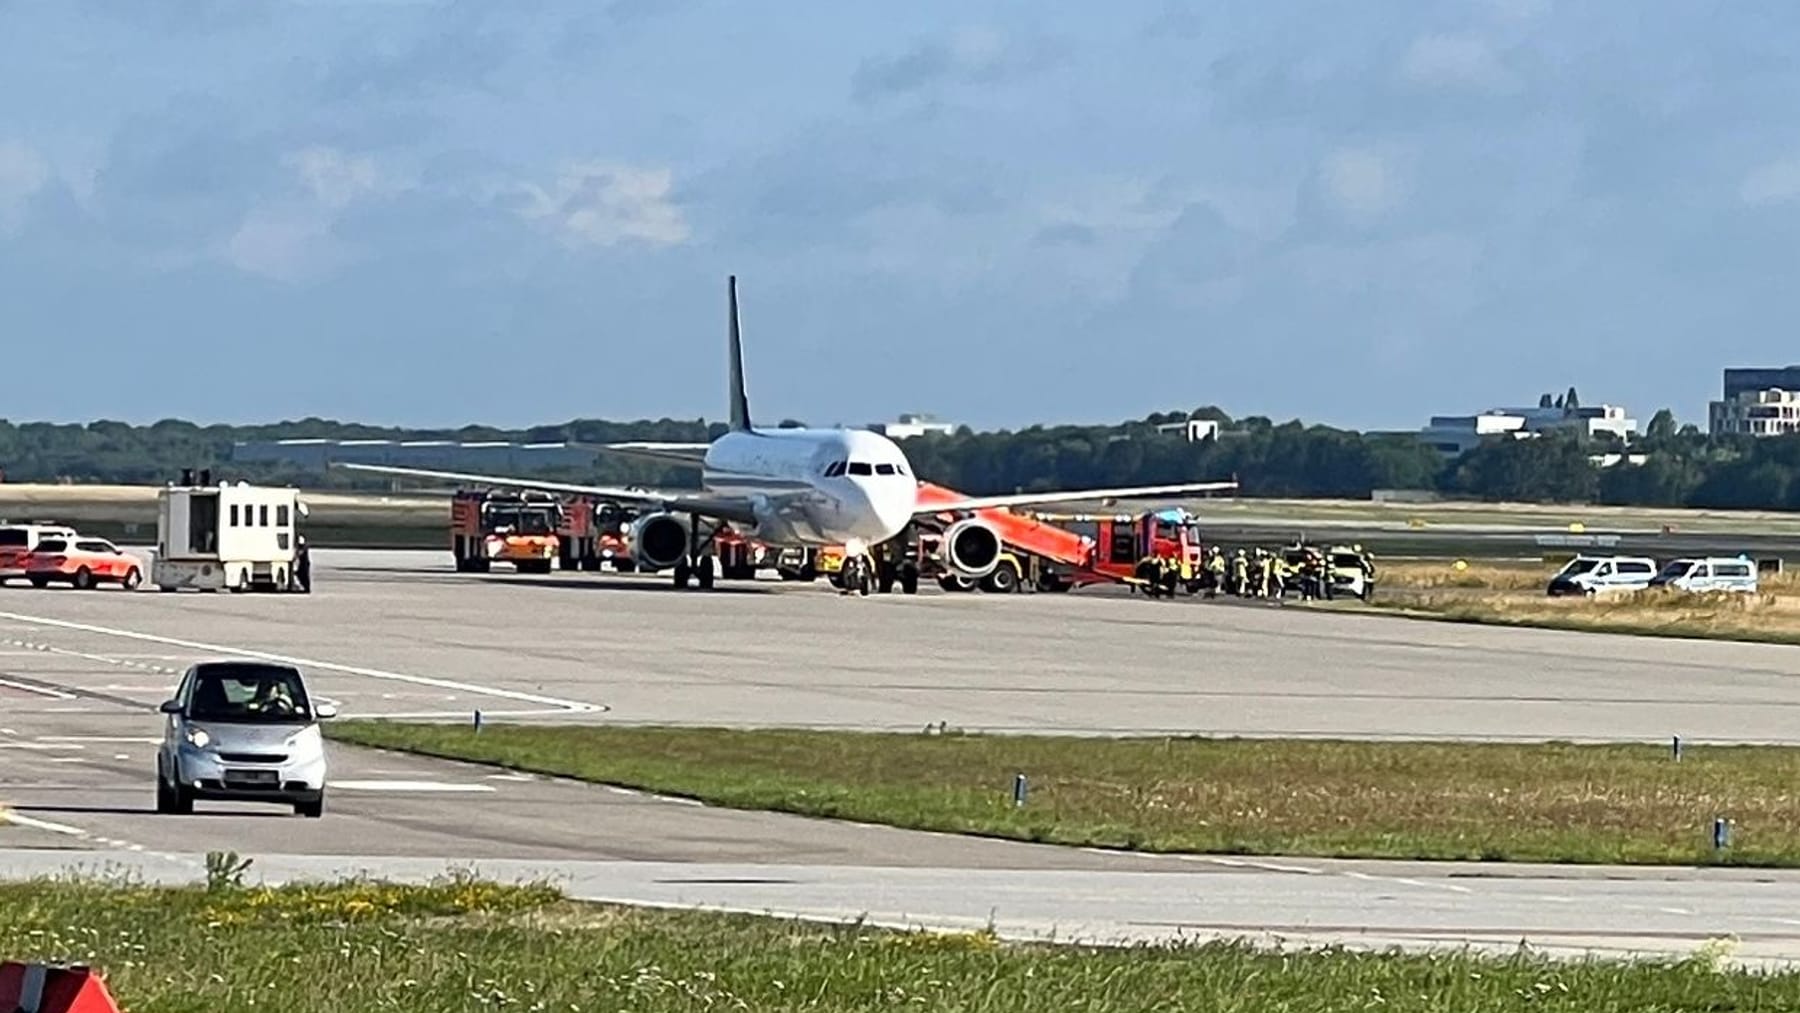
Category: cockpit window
<point>860,468</point>
<point>834,469</point>
<point>885,469</point>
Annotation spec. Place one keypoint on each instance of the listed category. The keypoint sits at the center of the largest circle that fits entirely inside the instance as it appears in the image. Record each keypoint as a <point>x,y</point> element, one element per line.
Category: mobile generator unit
<point>236,537</point>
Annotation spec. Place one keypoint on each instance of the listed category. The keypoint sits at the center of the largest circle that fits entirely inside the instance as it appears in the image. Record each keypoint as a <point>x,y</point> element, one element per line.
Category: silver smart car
<point>242,731</point>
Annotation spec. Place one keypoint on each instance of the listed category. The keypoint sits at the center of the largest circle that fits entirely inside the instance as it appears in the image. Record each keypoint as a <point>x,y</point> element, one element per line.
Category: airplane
<point>791,488</point>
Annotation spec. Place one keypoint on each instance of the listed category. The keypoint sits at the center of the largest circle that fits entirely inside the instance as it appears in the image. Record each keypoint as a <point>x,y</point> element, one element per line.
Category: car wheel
<point>311,810</point>
<point>84,579</point>
<point>132,579</point>
<point>40,581</point>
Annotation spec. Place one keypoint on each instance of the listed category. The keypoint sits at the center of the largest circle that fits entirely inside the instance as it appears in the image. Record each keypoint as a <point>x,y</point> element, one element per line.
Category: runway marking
<point>130,740</point>
<point>33,823</point>
<point>419,786</point>
<point>556,705</point>
<point>43,747</point>
<point>52,693</point>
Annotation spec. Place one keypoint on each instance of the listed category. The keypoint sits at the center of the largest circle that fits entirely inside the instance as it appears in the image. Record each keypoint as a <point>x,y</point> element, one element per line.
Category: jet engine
<point>971,548</point>
<point>658,541</point>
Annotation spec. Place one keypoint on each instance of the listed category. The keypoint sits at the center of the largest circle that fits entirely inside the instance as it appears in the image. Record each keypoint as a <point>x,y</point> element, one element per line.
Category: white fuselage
<point>816,487</point>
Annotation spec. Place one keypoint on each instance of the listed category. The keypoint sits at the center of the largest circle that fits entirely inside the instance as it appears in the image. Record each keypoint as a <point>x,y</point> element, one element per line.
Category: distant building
<point>496,456</point>
<point>910,425</point>
<point>1195,430</point>
<point>1455,435</point>
<point>1770,411</point>
<point>1748,381</point>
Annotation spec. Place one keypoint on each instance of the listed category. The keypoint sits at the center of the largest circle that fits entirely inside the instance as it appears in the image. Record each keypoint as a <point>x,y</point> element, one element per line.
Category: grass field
<point>467,945</point>
<point>1555,803</point>
<point>1512,594</point>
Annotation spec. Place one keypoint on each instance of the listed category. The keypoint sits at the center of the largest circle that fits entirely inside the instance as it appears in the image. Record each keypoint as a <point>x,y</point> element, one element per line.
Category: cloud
<point>600,203</point>
<point>334,178</point>
<point>1456,61</point>
<point>1775,183</point>
<point>971,56</point>
<point>285,245</point>
<point>1359,184</point>
<point>23,172</point>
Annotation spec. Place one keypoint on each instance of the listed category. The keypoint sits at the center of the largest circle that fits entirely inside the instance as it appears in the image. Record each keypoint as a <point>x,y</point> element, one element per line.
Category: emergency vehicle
<point>82,563</point>
<point>592,532</point>
<point>491,526</point>
<point>17,541</point>
<point>1158,550</point>
<point>232,536</point>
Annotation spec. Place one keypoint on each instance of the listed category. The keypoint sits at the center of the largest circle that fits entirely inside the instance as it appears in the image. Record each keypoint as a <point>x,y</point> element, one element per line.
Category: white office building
<point>910,425</point>
<point>1771,411</point>
<point>1455,435</point>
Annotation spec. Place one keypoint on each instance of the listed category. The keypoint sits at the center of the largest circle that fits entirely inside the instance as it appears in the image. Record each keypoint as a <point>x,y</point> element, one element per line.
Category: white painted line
<point>37,824</point>
<point>68,759</point>
<point>131,740</point>
<point>419,786</point>
<point>121,756</point>
<point>44,747</point>
<point>54,694</point>
<point>559,706</point>
<point>511,777</point>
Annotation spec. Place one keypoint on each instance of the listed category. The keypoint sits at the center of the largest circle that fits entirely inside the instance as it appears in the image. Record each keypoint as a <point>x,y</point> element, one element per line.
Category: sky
<point>438,212</point>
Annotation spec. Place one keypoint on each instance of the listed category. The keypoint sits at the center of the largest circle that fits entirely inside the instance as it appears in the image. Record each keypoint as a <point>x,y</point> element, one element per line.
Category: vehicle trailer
<point>491,526</point>
<point>230,536</point>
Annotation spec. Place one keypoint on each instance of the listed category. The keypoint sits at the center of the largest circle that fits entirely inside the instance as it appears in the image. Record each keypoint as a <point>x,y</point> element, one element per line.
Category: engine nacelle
<point>658,541</point>
<point>971,548</point>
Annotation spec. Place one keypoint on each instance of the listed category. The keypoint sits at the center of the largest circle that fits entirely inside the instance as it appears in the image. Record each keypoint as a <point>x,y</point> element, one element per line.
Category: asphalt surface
<point>397,634</point>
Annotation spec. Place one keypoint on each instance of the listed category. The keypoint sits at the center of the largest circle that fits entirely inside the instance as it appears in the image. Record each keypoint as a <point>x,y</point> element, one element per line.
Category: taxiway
<point>397,634</point>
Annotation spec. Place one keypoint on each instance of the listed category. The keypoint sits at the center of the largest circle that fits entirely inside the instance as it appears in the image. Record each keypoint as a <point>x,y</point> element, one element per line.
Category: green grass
<point>465,945</point>
<point>1498,802</point>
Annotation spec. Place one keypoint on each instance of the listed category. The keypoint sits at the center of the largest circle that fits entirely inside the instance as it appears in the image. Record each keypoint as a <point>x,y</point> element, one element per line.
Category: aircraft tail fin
<point>740,404</point>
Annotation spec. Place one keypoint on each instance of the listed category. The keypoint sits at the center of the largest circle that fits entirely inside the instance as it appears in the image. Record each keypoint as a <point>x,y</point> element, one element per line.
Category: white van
<point>18,540</point>
<point>1589,575</point>
<point>1717,573</point>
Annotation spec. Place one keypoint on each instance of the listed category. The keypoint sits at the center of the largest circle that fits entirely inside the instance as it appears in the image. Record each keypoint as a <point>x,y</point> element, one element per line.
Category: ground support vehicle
<point>1593,575</point>
<point>18,540</point>
<point>230,536</point>
<point>82,563</point>
<point>491,526</point>
<point>1714,573</point>
<point>242,731</point>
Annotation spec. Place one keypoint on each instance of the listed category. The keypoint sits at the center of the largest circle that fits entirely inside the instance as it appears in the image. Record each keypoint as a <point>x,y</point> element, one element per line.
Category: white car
<point>1710,574</point>
<point>242,731</point>
<point>1591,575</point>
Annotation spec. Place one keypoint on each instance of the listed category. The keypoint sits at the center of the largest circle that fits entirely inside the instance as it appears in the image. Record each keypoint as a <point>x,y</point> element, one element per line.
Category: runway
<point>397,634</point>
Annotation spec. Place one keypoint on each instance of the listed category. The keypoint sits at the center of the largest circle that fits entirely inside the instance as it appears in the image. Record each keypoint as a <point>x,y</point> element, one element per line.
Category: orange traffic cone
<point>50,988</point>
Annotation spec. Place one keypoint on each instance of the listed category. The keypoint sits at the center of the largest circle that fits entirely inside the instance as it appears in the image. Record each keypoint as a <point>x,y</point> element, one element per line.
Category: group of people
<point>1262,573</point>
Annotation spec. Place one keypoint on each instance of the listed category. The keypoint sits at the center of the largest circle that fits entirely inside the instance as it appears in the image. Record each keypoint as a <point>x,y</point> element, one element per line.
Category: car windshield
<point>14,537</point>
<point>250,694</point>
<point>1577,567</point>
<point>52,545</point>
<point>528,521</point>
<point>1676,568</point>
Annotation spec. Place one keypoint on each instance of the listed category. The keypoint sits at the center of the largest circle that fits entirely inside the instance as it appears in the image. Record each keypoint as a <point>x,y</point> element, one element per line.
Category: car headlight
<point>198,738</point>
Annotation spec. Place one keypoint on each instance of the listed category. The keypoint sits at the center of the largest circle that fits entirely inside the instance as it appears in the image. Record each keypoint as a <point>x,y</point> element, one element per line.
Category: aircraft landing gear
<point>697,566</point>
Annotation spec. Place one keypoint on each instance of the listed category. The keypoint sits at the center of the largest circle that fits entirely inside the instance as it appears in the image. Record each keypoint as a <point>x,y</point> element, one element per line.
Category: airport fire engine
<point>488,527</point>
<point>592,532</point>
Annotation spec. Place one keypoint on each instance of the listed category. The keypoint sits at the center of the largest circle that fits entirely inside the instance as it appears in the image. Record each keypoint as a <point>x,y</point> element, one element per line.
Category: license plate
<point>251,776</point>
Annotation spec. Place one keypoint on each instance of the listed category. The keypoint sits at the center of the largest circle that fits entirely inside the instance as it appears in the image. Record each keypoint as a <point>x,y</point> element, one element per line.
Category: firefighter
<point>1282,571</point>
<point>1265,575</point>
<point>1240,574</point>
<point>1215,571</point>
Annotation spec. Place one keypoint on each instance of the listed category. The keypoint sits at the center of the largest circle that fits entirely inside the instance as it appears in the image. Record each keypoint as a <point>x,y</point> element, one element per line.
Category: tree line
<point>1679,465</point>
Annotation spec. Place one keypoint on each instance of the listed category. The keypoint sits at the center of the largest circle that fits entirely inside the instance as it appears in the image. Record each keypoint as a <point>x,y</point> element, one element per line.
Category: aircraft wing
<point>718,507</point>
<point>689,454</point>
<point>1030,498</point>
